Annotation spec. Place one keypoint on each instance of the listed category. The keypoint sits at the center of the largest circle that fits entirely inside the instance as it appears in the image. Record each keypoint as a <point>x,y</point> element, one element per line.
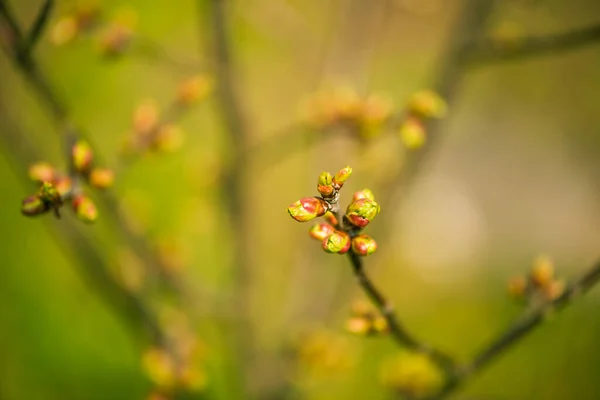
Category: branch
<point>491,51</point>
<point>39,25</point>
<point>397,330</point>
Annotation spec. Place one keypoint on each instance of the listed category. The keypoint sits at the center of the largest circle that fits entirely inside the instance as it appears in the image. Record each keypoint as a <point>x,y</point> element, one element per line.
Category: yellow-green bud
<point>307,208</point>
<point>84,208</point>
<point>363,194</point>
<point>362,211</point>
<point>49,194</point>
<point>338,242</point>
<point>341,176</point>
<point>42,172</point>
<point>101,178</point>
<point>412,133</point>
<point>321,231</point>
<point>363,245</point>
<point>427,104</point>
<point>82,156</point>
<point>33,205</point>
<point>324,184</point>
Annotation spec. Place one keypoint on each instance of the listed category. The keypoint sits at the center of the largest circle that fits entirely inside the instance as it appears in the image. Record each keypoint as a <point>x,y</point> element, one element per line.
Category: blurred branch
<point>397,330</point>
<point>520,329</point>
<point>492,51</point>
<point>39,24</point>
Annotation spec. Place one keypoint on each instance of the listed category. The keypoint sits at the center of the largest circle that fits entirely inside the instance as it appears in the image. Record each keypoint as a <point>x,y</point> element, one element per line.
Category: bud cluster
<point>539,285</point>
<point>57,188</point>
<point>338,235</point>
<point>342,106</point>
<point>365,320</point>
<point>422,106</point>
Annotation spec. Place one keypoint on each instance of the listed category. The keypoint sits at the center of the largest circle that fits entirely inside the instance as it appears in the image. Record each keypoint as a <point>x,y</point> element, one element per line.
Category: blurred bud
<point>337,242</point>
<point>193,379</point>
<point>346,102</point>
<point>362,211</point>
<point>307,208</point>
<point>321,231</point>
<point>412,133</point>
<point>168,138</point>
<point>341,176</point>
<point>145,117</point>
<point>84,208</point>
<point>554,289</point>
<point>194,89</point>
<point>102,178</point>
<point>517,287</point>
<point>363,194</point>
<point>376,109</point>
<point>64,31</point>
<point>363,245</point>
<point>63,185</point>
<point>160,367</point>
<point>330,217</point>
<point>360,307</point>
<point>33,205</point>
<point>42,172</point>
<point>358,325</point>
<point>82,156</point>
<point>542,271</point>
<point>115,40</point>
<point>49,194</point>
<point>380,324</point>
<point>412,374</point>
<point>324,184</point>
<point>427,104</point>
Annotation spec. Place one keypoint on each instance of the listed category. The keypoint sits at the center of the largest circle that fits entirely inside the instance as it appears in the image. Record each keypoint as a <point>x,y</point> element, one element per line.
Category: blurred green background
<point>515,174</point>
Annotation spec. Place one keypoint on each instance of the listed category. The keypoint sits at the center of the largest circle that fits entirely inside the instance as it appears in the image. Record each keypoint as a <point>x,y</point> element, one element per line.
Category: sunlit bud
<point>330,217</point>
<point>63,185</point>
<point>542,271</point>
<point>321,231</point>
<point>42,172</point>
<point>427,104</point>
<point>194,89</point>
<point>363,245</point>
<point>341,176</point>
<point>517,287</point>
<point>168,138</point>
<point>362,211</point>
<point>33,205</point>
<point>49,194</point>
<point>380,324</point>
<point>193,379</point>
<point>160,367</point>
<point>554,289</point>
<point>84,208</point>
<point>64,31</point>
<point>324,184</point>
<point>102,178</point>
<point>358,325</point>
<point>145,117</point>
<point>360,307</point>
<point>115,40</point>
<point>412,133</point>
<point>82,156</point>
<point>307,208</point>
<point>376,109</point>
<point>338,242</point>
<point>363,194</point>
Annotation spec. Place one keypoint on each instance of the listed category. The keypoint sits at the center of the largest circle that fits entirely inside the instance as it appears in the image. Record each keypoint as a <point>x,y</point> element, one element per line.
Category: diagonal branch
<point>39,25</point>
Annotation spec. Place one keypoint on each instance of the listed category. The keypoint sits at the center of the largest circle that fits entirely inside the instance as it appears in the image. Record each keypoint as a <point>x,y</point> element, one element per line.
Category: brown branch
<point>398,332</point>
<point>519,330</point>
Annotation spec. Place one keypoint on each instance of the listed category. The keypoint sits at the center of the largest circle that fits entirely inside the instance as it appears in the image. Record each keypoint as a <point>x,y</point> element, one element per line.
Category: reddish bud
<point>63,185</point>
<point>362,211</point>
<point>194,89</point>
<point>363,194</point>
<point>84,208</point>
<point>363,245</point>
<point>82,156</point>
<point>321,231</point>
<point>307,208</point>
<point>102,178</point>
<point>324,184</point>
<point>42,172</point>
<point>330,217</point>
<point>338,242</point>
<point>145,117</point>
<point>33,205</point>
<point>341,176</point>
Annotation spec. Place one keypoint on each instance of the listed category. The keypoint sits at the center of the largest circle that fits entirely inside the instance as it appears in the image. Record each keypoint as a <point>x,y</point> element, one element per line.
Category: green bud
<point>32,206</point>
<point>363,245</point>
<point>362,211</point>
<point>324,184</point>
<point>321,231</point>
<point>307,208</point>
<point>412,133</point>
<point>363,194</point>
<point>49,194</point>
<point>84,208</point>
<point>82,156</point>
<point>341,176</point>
<point>338,242</point>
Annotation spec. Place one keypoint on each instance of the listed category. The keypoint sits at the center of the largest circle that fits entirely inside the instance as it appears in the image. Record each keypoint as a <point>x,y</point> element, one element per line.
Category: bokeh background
<point>515,174</point>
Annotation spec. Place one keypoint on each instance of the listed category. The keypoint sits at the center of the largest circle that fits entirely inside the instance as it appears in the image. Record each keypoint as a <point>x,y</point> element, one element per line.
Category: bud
<point>84,208</point>
<point>427,104</point>
<point>338,242</point>
<point>193,379</point>
<point>517,287</point>
<point>64,31</point>
<point>102,178</point>
<point>82,156</point>
<point>341,176</point>
<point>321,231</point>
<point>49,194</point>
<point>361,212</point>
<point>414,374</point>
<point>307,208</point>
<point>115,40</point>
<point>346,102</point>
<point>63,185</point>
<point>380,324</point>
<point>330,217</point>
<point>363,194</point>
<point>33,205</point>
<point>363,245</point>
<point>145,117</point>
<point>412,133</point>
<point>376,109</point>
<point>324,184</point>
<point>194,89</point>
<point>42,172</point>
<point>542,272</point>
<point>358,325</point>
<point>160,367</point>
<point>168,138</point>
<point>554,289</point>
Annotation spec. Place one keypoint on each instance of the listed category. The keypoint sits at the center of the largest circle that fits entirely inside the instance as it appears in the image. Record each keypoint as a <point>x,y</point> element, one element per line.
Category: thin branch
<point>520,329</point>
<point>398,332</point>
<point>39,25</point>
<point>492,51</point>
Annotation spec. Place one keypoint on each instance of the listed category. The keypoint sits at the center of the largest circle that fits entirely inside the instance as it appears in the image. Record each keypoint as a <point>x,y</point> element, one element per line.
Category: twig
<point>38,25</point>
<point>397,330</point>
<point>521,328</point>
